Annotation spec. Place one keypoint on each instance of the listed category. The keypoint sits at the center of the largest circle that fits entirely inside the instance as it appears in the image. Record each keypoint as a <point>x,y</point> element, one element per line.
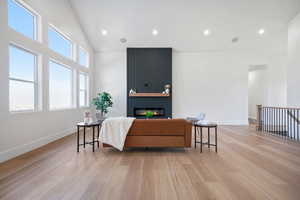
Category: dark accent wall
<point>149,70</point>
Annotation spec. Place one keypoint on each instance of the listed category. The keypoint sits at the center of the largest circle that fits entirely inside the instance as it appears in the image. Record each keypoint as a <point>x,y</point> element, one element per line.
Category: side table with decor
<point>209,125</point>
<point>93,125</point>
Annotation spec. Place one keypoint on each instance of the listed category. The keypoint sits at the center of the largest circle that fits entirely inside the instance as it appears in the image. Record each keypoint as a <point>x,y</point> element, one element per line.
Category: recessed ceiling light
<point>154,32</point>
<point>261,31</point>
<point>123,40</point>
<point>104,32</point>
<point>235,40</point>
<point>206,32</point>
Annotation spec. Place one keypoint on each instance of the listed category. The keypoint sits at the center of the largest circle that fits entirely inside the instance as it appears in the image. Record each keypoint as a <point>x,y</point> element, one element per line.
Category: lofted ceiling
<point>180,23</point>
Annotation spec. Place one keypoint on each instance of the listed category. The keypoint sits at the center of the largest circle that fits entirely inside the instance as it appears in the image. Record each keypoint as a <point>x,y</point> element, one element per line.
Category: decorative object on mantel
<point>102,102</point>
<point>87,118</point>
<point>167,88</point>
<point>132,91</point>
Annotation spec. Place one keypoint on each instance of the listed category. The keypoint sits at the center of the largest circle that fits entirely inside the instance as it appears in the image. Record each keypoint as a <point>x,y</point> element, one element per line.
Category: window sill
<point>84,107</point>
<point>86,67</point>
<point>61,109</point>
<point>23,112</point>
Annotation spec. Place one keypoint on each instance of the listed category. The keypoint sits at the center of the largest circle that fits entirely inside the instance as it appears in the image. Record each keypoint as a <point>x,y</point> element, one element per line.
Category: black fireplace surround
<point>148,71</point>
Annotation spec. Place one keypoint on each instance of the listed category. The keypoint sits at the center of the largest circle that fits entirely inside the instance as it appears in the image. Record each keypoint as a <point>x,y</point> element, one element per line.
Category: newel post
<point>258,117</point>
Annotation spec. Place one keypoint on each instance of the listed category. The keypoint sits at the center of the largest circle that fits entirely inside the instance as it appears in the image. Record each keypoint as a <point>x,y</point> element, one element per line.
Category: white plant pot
<point>100,116</point>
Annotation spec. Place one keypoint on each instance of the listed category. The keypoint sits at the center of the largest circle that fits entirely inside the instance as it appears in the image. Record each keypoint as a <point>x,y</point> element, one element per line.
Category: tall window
<point>83,90</point>
<point>83,57</point>
<point>59,43</point>
<point>22,79</point>
<point>21,19</point>
<point>60,86</point>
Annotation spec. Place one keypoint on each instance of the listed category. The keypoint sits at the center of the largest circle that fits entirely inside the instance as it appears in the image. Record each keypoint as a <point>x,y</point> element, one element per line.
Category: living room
<point>172,71</point>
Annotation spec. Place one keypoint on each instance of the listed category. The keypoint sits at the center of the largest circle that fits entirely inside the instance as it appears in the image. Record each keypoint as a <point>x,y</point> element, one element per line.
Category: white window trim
<point>86,90</point>
<point>34,82</point>
<point>34,14</point>
<point>87,64</point>
<point>72,103</point>
<point>66,37</point>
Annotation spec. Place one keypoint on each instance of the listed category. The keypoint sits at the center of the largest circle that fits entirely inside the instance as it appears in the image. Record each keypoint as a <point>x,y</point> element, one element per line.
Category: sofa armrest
<point>188,134</point>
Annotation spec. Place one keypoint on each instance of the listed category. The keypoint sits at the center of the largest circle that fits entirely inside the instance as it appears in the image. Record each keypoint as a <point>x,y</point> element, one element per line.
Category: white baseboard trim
<point>233,122</point>
<point>19,150</point>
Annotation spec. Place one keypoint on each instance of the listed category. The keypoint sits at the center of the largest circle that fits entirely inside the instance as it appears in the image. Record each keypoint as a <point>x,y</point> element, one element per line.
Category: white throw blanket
<point>114,131</point>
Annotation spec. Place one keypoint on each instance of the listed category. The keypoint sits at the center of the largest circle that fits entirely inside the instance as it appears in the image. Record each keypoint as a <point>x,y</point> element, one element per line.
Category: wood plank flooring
<point>249,165</point>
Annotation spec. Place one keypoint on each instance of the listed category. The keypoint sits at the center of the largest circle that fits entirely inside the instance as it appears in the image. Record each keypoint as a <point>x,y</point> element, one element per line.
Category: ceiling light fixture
<point>104,32</point>
<point>235,40</point>
<point>206,32</point>
<point>123,40</point>
<point>154,32</point>
<point>261,31</point>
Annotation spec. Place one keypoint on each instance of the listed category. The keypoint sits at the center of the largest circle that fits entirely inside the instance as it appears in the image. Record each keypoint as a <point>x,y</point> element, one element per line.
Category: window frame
<point>65,37</point>
<point>35,81</point>
<point>33,13</point>
<point>87,64</point>
<point>86,90</point>
<point>71,81</point>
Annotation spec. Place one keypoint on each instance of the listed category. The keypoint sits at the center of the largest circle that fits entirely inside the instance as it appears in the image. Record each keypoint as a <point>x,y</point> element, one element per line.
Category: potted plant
<point>102,102</point>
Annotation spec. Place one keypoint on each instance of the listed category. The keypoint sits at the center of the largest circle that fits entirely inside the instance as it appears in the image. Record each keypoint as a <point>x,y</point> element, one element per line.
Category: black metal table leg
<point>216,140</point>
<point>98,129</point>
<point>93,139</point>
<point>201,139</point>
<point>208,137</point>
<point>77,138</point>
<point>195,136</point>
<point>83,137</point>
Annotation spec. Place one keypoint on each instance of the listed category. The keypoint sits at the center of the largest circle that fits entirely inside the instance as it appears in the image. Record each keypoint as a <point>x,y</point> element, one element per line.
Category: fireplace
<point>149,70</point>
<point>141,112</point>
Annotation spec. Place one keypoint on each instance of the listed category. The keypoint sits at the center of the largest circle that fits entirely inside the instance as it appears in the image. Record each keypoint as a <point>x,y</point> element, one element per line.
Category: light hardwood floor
<point>249,165</point>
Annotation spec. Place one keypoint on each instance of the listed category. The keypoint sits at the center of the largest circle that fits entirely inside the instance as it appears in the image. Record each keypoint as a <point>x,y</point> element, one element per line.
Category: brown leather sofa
<point>159,133</point>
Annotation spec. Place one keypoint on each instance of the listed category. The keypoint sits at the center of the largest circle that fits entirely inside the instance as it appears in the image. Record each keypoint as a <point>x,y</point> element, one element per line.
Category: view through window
<point>22,68</point>
<point>60,86</point>
<point>21,20</point>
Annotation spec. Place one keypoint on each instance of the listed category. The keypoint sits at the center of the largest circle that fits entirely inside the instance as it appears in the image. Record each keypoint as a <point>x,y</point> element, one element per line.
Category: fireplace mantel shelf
<point>149,95</point>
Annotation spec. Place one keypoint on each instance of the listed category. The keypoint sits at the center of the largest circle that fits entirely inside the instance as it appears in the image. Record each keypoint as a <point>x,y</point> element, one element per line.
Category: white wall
<point>293,71</point>
<point>110,76</point>
<point>25,131</point>
<point>214,83</point>
<point>276,78</point>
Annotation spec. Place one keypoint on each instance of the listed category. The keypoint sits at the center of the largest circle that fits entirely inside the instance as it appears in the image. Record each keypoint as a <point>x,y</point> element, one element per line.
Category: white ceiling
<point>181,23</point>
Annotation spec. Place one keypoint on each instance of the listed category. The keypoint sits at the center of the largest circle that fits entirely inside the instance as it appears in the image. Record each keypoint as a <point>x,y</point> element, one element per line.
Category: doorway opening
<point>257,89</point>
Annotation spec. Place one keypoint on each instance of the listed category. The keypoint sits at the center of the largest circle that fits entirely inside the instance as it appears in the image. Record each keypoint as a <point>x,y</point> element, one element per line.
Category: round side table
<point>88,125</point>
<point>199,127</point>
